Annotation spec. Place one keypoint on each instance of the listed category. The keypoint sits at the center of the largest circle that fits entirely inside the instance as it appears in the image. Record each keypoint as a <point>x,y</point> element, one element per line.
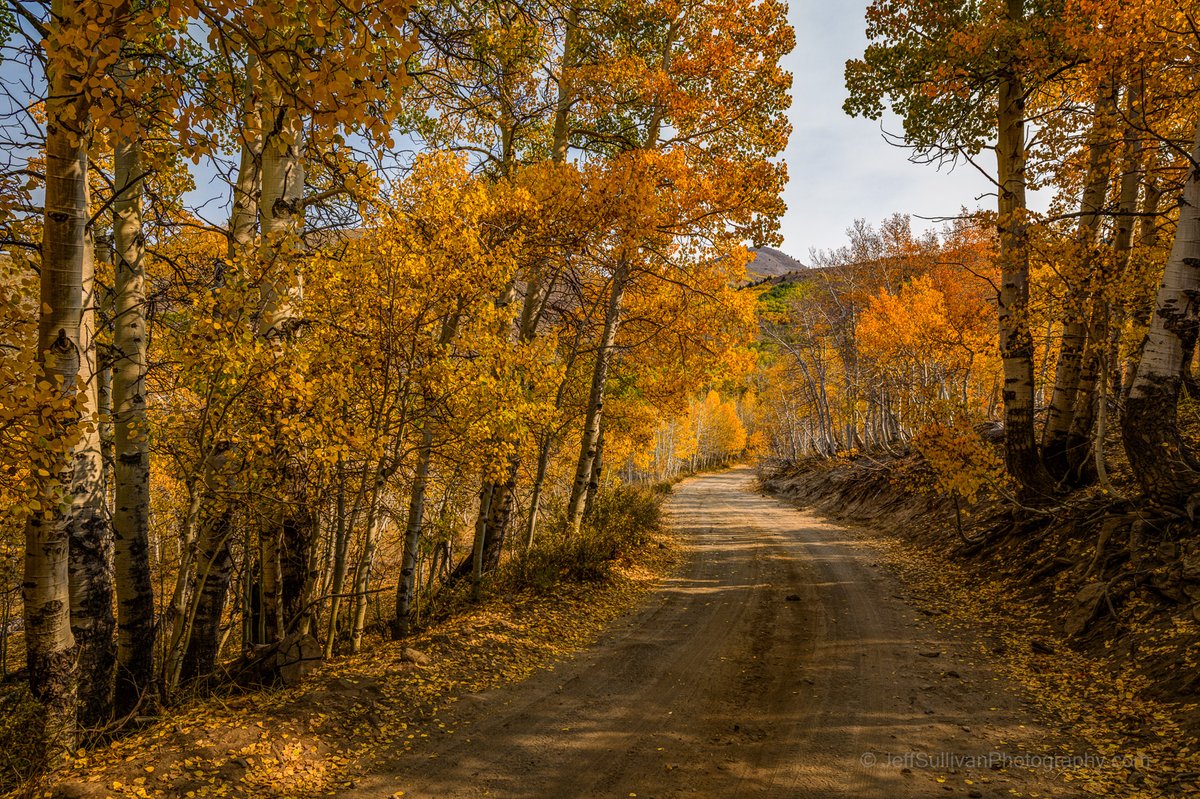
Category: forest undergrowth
<point>358,711</point>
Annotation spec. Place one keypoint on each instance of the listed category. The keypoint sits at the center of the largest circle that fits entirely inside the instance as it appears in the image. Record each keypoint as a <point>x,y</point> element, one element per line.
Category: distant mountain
<point>770,262</point>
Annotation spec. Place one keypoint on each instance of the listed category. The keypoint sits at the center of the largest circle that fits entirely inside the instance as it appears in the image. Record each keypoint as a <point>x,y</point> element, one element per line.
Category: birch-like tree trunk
<point>605,350</point>
<point>1147,240</point>
<point>212,562</point>
<point>539,482</point>
<point>406,587</point>
<point>91,578</point>
<point>562,109</point>
<point>1123,229</point>
<point>1150,424</point>
<point>49,642</point>
<point>210,589</point>
<point>341,547</point>
<point>247,188</point>
<point>1016,340</point>
<point>1069,372</point>
<point>597,474</point>
<point>362,575</point>
<point>281,220</point>
<point>131,452</point>
<point>496,497</point>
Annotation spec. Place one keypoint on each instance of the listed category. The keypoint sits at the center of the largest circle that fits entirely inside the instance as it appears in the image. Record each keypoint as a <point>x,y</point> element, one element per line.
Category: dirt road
<point>782,662</point>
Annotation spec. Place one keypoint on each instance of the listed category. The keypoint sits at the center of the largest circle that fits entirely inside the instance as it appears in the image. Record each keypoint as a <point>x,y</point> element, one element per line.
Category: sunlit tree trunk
<point>131,473</point>
<point>595,477</point>
<point>281,210</point>
<point>91,577</point>
<point>1016,340</point>
<point>605,349</point>
<point>1070,373</point>
<point>49,642</point>
<point>341,547</point>
<point>281,220</point>
<point>362,575</point>
<point>1150,425</point>
<point>247,187</point>
<point>566,95</point>
<point>209,592</point>
<point>213,563</point>
<point>1147,240</point>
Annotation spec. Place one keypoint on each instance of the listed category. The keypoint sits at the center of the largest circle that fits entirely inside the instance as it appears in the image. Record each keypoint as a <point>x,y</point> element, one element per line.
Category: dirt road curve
<point>782,662</point>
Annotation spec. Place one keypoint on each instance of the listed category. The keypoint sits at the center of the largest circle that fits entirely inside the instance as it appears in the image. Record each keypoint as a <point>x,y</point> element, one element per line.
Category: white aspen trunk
<point>1147,240</point>
<point>281,221</point>
<point>362,575</point>
<point>1150,426</point>
<point>91,578</point>
<point>178,610</point>
<point>486,496</point>
<point>1016,341</point>
<point>247,189</point>
<point>406,587</point>
<point>562,109</point>
<point>281,212</point>
<point>594,478</point>
<point>1069,371</point>
<point>341,545</point>
<point>49,643</point>
<point>595,408</point>
<point>131,512</point>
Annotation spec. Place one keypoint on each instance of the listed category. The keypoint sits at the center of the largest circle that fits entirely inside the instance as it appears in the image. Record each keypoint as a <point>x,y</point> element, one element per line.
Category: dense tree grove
<point>892,343</point>
<point>308,310</point>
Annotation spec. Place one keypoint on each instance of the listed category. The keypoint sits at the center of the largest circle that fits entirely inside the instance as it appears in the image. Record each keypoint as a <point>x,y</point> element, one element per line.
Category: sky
<point>840,168</point>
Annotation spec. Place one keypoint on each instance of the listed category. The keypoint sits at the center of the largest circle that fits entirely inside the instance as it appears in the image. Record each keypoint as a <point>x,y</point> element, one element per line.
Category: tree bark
<point>281,220</point>
<point>1070,371</point>
<point>1016,341</point>
<point>595,407</point>
<point>593,486</point>
<point>362,575</point>
<point>270,579</point>
<point>90,554</point>
<point>49,642</point>
<point>131,474</point>
<point>247,189</point>
<point>209,592</point>
<point>281,211</point>
<point>406,586</point>
<point>1142,312</point>
<point>562,110</point>
<point>297,575</point>
<point>1150,425</point>
<point>539,481</point>
<point>341,546</point>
